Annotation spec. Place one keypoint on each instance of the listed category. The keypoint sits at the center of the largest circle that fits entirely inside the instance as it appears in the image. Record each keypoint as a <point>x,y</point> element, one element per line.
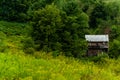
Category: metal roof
<point>97,38</point>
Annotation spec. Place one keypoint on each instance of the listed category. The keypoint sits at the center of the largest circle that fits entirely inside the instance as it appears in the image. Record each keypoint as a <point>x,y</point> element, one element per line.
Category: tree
<point>71,7</point>
<point>14,10</point>
<point>88,5</point>
<point>55,30</point>
<point>113,10</point>
<point>114,51</point>
<point>73,33</point>
<point>45,23</point>
<point>98,14</point>
<point>39,4</point>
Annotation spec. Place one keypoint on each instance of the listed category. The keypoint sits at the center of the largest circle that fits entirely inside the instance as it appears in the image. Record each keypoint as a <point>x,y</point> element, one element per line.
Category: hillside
<point>60,25</point>
<point>45,67</point>
<point>16,65</point>
<point>111,0</point>
<point>45,39</point>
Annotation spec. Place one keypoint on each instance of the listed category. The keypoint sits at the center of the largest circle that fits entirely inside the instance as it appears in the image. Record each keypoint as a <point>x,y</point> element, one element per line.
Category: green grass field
<point>112,0</point>
<point>45,67</point>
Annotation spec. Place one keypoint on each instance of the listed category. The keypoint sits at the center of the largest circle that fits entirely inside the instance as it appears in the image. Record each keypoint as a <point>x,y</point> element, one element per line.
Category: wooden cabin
<point>97,44</point>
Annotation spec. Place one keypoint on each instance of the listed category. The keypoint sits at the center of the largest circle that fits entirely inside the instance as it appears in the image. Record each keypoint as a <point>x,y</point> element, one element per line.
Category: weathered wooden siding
<point>95,48</point>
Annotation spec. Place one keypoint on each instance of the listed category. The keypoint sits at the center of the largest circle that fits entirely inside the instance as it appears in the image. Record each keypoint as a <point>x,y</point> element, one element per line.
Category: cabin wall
<point>97,44</point>
<point>94,52</point>
<point>95,48</point>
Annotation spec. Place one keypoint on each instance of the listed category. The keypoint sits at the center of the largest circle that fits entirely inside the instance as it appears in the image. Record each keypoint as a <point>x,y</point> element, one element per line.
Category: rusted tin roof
<point>97,38</point>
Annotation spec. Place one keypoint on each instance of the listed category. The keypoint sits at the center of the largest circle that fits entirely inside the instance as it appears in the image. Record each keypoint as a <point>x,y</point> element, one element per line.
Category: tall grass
<point>111,0</point>
<point>22,67</point>
<point>13,28</point>
<point>12,36</point>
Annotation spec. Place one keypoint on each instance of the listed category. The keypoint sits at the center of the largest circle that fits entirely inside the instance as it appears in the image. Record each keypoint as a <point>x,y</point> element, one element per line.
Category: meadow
<point>45,67</point>
<point>44,39</point>
<point>112,0</point>
<point>15,64</point>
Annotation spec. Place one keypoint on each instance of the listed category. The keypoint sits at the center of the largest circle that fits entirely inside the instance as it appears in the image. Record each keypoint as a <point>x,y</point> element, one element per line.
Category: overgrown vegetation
<point>45,67</point>
<point>60,25</point>
<point>36,35</point>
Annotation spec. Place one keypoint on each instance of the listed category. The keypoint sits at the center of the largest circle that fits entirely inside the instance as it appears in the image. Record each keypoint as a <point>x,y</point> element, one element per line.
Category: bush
<point>99,58</point>
<point>28,45</point>
<point>29,50</point>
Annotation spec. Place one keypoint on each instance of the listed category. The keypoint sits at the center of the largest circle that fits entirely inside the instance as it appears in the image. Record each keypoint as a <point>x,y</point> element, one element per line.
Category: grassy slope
<point>111,1</point>
<point>21,67</point>
<point>11,35</point>
<point>15,65</point>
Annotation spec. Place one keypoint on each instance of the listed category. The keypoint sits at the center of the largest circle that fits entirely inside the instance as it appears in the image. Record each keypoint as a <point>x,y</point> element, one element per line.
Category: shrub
<point>99,58</point>
<point>28,45</point>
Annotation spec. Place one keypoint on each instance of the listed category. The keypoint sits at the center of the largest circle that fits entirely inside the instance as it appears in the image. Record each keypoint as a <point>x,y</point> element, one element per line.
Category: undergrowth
<point>45,67</point>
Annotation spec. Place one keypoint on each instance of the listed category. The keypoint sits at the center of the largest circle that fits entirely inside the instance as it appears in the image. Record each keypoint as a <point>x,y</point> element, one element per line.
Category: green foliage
<point>114,42</point>
<point>71,7</point>
<point>98,14</point>
<point>28,45</point>
<point>100,58</point>
<point>113,10</point>
<point>3,45</point>
<point>104,14</point>
<point>60,29</point>
<point>73,34</point>
<point>115,32</point>
<point>39,4</point>
<point>14,10</point>
<point>114,49</point>
<point>12,35</point>
<point>48,22</point>
<point>15,28</point>
<point>21,67</point>
<point>56,31</point>
<point>88,5</point>
<point>58,25</point>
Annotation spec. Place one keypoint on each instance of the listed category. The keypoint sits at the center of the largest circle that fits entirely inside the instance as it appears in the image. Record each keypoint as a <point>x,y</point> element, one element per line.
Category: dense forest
<point>60,25</point>
<point>47,32</point>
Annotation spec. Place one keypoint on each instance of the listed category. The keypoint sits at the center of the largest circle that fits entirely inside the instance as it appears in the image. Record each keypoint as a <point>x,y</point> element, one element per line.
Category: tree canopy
<point>60,25</point>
